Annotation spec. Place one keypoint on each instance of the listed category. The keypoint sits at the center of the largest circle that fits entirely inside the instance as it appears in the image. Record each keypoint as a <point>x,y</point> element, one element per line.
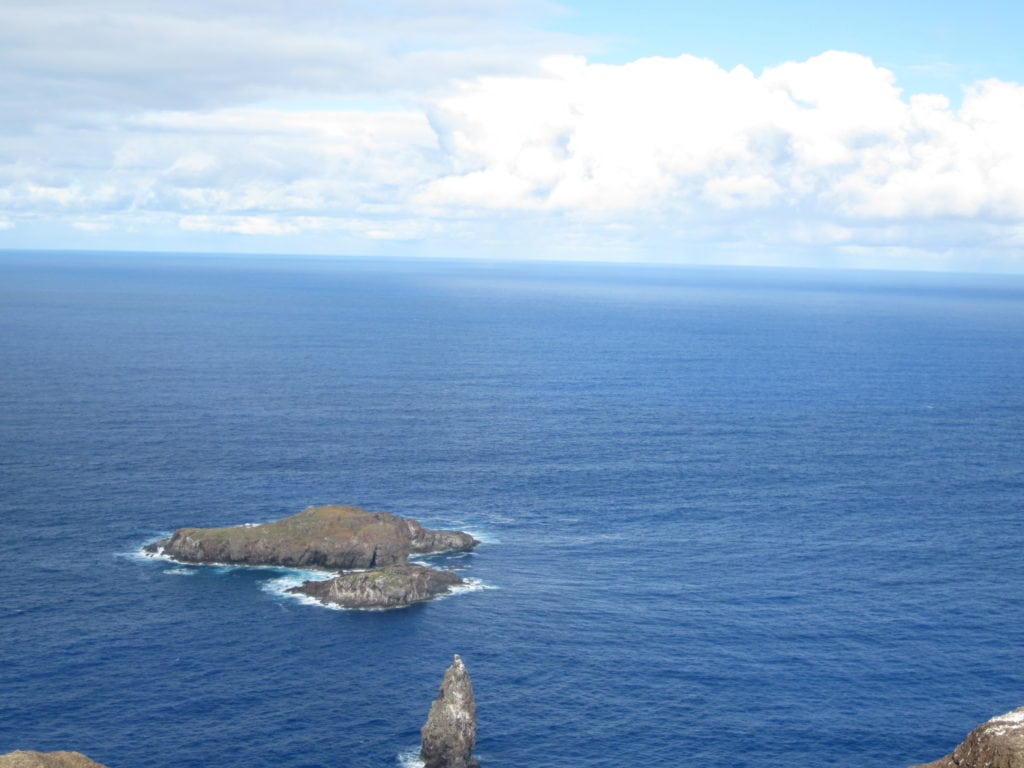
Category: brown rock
<point>424,541</point>
<point>449,734</point>
<point>333,537</point>
<point>396,586</point>
<point>999,743</point>
<point>29,759</point>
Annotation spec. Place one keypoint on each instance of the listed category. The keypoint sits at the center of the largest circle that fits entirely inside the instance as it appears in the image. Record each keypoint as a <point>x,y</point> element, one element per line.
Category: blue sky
<point>793,133</point>
<point>931,46</point>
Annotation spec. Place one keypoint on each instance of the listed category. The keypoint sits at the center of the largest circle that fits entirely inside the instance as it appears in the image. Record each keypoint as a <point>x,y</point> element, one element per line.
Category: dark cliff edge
<point>997,743</point>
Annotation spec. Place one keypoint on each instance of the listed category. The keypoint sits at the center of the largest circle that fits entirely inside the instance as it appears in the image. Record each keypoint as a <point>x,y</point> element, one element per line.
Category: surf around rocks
<point>370,548</point>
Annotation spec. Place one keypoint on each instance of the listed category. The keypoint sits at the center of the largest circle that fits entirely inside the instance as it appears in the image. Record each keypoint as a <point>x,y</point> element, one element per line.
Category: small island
<point>370,548</point>
<point>395,586</point>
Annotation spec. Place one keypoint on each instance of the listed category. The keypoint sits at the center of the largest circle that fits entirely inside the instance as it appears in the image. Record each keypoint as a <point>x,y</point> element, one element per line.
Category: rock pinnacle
<point>450,731</point>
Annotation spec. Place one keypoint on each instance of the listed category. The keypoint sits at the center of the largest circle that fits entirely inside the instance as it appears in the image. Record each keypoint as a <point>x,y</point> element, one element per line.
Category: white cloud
<point>243,225</point>
<point>249,162</point>
<point>659,155</point>
<point>278,225</point>
<point>60,57</point>
<point>96,224</point>
<point>827,150</point>
<point>832,135</point>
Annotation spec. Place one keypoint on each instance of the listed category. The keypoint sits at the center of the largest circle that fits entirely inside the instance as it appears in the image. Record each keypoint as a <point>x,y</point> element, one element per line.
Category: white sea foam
<point>410,758</point>
<point>140,555</point>
<point>451,561</point>
<point>1009,722</point>
<point>279,588</point>
<point>294,578</point>
<point>470,585</point>
<point>1016,716</point>
<point>484,537</point>
<point>287,578</point>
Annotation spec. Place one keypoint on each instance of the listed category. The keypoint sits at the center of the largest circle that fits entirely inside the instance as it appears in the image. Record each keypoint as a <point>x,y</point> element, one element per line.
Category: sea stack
<point>999,743</point>
<point>450,732</point>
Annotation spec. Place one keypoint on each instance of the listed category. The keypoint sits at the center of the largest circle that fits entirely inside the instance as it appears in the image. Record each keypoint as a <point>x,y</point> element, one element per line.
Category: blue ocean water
<point>732,517</point>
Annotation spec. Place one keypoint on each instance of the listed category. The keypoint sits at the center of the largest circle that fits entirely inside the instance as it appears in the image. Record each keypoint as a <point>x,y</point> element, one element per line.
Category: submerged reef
<point>998,743</point>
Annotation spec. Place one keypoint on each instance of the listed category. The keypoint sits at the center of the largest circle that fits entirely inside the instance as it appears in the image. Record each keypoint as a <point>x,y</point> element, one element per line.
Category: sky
<point>869,134</point>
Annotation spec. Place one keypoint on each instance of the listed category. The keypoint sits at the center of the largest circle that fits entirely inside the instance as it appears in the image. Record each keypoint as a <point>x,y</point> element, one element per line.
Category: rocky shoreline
<point>371,549</point>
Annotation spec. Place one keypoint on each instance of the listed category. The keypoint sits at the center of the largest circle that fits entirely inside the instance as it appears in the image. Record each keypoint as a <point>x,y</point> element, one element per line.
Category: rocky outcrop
<point>29,759</point>
<point>999,743</point>
<point>450,731</point>
<point>423,541</point>
<point>332,537</point>
<point>393,587</point>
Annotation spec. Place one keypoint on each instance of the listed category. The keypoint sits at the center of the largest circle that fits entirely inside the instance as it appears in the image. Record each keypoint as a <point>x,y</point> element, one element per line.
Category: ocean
<point>730,516</point>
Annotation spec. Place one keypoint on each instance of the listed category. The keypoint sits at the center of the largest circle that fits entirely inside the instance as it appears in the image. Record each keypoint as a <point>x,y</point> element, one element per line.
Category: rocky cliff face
<point>424,541</point>
<point>450,731</point>
<point>333,537</point>
<point>393,587</point>
<point>999,743</point>
<point>29,759</point>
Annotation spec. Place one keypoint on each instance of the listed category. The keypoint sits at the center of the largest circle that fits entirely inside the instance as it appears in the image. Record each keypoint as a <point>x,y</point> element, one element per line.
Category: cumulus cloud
<point>832,136</point>
<point>249,120</point>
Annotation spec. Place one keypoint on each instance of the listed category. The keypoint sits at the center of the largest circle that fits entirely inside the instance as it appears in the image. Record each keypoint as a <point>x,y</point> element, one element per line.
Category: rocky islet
<point>371,548</point>
<point>395,586</point>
